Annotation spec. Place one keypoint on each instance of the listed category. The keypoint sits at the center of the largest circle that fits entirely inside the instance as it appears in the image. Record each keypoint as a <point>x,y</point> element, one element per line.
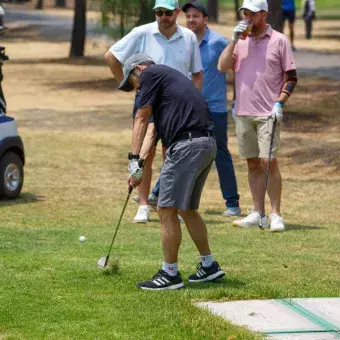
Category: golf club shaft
<point>267,170</point>
<point>118,224</point>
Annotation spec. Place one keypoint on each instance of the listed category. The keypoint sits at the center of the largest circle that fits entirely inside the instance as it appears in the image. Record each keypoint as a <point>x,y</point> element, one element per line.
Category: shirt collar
<point>206,35</point>
<point>268,31</point>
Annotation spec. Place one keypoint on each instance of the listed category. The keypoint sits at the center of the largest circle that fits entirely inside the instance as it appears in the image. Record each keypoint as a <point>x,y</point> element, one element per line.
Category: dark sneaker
<point>207,273</point>
<point>162,281</point>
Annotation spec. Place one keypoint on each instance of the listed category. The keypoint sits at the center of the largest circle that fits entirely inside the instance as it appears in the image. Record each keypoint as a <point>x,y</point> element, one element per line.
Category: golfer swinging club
<point>183,123</point>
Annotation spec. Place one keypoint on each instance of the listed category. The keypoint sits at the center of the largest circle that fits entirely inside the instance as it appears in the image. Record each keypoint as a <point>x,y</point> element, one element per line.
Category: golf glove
<point>135,169</point>
<point>238,30</point>
<point>277,112</point>
<point>233,108</point>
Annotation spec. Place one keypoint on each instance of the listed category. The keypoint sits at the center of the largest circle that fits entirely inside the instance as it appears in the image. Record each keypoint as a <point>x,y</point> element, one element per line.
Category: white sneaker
<point>232,211</point>
<point>180,219</point>
<point>276,223</point>
<point>251,221</point>
<point>143,214</point>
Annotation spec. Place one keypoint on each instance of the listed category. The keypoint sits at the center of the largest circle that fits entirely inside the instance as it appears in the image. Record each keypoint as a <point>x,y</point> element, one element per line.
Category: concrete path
<point>289,319</point>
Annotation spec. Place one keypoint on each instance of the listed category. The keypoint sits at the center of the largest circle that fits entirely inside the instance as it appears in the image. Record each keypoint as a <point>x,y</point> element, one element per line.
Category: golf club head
<point>102,262</point>
<point>263,222</point>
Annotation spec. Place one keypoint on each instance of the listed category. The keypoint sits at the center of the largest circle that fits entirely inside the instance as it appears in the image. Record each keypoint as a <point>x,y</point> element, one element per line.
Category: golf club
<point>263,215</point>
<point>102,262</point>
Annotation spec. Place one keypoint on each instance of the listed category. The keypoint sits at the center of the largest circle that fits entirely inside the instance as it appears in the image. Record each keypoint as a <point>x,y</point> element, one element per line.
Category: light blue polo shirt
<point>181,51</point>
<point>214,82</point>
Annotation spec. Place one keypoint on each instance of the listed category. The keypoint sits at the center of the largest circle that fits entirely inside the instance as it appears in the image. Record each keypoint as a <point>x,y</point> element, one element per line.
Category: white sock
<point>207,260</point>
<point>170,268</point>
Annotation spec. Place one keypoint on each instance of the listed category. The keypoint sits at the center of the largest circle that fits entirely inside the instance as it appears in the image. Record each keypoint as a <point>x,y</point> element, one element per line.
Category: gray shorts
<point>185,171</point>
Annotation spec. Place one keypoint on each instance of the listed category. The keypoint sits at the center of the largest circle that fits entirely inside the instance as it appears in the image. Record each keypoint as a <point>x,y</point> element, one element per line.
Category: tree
<point>275,14</point>
<point>60,3</point>
<point>237,6</point>
<point>39,4</point>
<point>79,29</point>
<point>212,8</point>
<point>146,13</point>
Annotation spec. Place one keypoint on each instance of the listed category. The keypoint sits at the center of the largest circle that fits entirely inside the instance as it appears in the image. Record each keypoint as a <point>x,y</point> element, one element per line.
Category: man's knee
<point>187,213</point>
<point>274,165</point>
<point>166,212</point>
<point>254,164</point>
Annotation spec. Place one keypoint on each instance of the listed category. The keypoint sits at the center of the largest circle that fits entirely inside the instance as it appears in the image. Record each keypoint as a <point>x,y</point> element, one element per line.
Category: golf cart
<point>12,156</point>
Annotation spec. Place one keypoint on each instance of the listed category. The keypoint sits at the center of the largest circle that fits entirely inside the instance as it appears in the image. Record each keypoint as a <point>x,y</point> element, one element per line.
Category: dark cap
<point>195,4</point>
<point>129,66</point>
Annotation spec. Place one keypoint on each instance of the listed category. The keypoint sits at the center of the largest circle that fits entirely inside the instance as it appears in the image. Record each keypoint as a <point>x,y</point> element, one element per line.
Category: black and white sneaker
<point>162,281</point>
<point>207,273</point>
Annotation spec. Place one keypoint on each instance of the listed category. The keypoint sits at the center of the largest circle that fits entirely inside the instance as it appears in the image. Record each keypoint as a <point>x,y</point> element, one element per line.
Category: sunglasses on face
<point>167,13</point>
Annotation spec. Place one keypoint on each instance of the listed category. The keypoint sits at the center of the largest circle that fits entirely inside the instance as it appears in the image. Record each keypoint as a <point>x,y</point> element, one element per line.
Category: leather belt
<point>193,134</point>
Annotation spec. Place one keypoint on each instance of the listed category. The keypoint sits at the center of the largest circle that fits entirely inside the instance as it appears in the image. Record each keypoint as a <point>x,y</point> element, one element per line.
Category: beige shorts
<point>253,136</point>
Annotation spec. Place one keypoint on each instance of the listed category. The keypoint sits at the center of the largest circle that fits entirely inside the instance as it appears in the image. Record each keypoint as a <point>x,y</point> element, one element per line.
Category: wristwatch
<point>132,156</point>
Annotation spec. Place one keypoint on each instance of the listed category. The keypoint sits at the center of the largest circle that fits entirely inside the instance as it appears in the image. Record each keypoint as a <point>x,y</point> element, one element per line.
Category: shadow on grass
<point>220,283</point>
<point>292,227</point>
<point>24,198</point>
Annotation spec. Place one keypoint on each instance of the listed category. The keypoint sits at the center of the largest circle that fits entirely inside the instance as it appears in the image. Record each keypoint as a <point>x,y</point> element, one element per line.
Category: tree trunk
<point>237,6</point>
<point>79,29</point>
<point>212,8</point>
<point>40,4</point>
<point>60,3</point>
<point>275,14</point>
<point>146,13</point>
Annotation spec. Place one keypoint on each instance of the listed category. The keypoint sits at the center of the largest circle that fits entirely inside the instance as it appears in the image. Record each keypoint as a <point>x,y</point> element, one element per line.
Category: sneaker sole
<point>277,231</point>
<point>145,221</point>
<point>177,286</point>
<point>211,277</point>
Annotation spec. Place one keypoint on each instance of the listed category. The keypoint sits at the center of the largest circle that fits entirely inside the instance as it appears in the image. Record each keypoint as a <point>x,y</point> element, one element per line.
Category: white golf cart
<point>12,156</point>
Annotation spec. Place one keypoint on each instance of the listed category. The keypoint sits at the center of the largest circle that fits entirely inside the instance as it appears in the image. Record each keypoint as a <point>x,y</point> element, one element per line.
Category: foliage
<point>124,14</point>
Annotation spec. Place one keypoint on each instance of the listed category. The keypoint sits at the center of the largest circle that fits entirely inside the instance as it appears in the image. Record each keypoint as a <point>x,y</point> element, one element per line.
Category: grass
<point>76,130</point>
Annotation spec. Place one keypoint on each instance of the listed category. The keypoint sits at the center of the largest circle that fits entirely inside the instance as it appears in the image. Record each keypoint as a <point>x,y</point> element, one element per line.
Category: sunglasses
<point>167,13</point>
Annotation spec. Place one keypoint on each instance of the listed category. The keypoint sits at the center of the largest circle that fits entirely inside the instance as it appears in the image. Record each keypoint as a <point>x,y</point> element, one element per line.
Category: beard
<point>167,23</point>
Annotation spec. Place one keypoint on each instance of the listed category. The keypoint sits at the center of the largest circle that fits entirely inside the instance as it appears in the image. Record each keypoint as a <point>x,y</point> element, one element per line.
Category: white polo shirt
<point>180,52</point>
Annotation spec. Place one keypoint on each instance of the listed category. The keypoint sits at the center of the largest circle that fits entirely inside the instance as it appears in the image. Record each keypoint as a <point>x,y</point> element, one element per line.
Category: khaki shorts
<point>253,136</point>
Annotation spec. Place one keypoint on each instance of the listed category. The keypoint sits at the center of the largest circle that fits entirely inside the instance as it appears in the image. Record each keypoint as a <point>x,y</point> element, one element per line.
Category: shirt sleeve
<point>149,85</point>
<point>126,47</point>
<point>287,58</point>
<point>196,61</point>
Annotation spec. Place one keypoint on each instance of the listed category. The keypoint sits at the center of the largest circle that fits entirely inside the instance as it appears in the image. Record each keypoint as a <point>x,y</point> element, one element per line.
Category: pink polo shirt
<point>260,66</point>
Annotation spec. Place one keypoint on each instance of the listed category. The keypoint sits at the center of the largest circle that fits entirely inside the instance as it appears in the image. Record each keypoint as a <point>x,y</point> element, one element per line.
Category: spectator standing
<point>265,77</point>
<point>214,91</point>
<point>288,13</point>
<point>308,16</point>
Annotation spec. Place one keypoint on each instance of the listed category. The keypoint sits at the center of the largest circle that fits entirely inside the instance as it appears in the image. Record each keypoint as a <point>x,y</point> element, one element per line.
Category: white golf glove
<point>277,112</point>
<point>135,170</point>
<point>238,30</point>
<point>233,108</point>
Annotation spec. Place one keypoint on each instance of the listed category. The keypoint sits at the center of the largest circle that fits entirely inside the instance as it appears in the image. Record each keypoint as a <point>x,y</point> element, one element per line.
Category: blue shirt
<point>214,82</point>
<point>288,5</point>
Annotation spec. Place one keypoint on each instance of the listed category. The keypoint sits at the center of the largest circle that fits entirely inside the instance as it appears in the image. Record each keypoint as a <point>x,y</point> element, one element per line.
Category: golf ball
<point>82,239</point>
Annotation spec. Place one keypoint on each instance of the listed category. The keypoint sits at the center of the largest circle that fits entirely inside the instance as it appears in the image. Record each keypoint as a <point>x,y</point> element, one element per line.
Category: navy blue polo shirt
<point>214,82</point>
<point>177,105</point>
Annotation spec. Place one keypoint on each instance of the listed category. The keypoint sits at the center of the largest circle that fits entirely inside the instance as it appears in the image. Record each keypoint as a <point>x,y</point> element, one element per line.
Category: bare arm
<point>139,131</point>
<point>115,66</point>
<point>197,79</point>
<point>149,141</point>
<point>226,60</point>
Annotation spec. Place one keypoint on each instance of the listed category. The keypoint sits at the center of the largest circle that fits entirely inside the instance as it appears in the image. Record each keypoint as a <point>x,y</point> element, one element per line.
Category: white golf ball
<point>82,239</point>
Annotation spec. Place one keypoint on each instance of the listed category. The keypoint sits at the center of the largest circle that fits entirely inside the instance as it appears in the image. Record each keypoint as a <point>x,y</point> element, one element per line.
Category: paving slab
<point>303,319</point>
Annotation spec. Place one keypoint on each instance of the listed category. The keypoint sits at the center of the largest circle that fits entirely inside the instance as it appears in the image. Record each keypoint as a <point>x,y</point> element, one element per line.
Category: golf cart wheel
<point>11,175</point>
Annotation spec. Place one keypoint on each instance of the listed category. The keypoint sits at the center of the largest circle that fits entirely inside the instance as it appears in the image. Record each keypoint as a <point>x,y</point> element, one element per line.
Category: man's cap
<point>129,66</point>
<point>255,5</point>
<point>168,4</point>
<point>195,4</point>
